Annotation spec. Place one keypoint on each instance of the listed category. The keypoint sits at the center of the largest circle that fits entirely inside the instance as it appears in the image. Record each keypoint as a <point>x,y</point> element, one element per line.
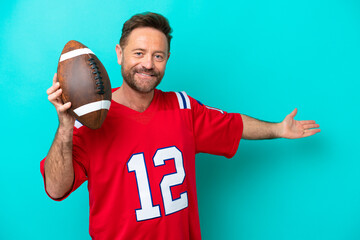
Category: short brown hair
<point>147,19</point>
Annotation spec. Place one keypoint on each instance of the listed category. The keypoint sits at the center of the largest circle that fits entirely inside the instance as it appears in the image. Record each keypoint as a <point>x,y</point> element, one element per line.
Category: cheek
<point>129,62</point>
<point>161,67</point>
<point>129,66</point>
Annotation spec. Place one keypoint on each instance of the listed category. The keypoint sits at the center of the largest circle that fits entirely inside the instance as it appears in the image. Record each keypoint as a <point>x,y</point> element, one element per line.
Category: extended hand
<point>291,128</point>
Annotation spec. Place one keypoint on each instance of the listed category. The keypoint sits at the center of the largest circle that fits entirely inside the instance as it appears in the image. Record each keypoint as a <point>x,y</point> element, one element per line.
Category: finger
<point>307,122</point>
<point>307,126</point>
<point>310,132</point>
<point>53,88</point>
<point>55,78</point>
<point>52,97</point>
<point>64,107</point>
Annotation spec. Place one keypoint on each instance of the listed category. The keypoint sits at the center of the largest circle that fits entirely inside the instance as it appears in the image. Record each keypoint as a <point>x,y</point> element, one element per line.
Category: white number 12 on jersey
<point>137,164</point>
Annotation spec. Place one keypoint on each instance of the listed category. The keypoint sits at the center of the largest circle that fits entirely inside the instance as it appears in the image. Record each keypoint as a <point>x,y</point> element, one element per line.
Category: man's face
<point>143,59</point>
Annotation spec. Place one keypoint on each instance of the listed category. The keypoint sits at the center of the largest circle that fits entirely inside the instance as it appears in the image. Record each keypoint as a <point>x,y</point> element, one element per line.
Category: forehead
<point>147,38</point>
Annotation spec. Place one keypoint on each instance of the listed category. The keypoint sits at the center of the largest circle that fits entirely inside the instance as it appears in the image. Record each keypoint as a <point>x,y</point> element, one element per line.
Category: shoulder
<point>179,100</point>
<point>80,130</point>
<point>114,89</point>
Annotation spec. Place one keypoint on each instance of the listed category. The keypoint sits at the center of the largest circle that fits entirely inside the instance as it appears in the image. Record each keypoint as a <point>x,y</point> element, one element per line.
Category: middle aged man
<point>140,165</point>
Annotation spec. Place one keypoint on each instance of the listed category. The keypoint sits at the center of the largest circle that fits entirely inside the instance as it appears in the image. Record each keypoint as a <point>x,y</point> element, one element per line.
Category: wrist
<point>279,130</point>
<point>66,125</point>
<point>65,133</point>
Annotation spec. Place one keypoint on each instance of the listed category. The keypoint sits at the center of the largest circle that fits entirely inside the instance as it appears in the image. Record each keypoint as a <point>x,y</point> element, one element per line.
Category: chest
<point>160,142</point>
<point>144,160</point>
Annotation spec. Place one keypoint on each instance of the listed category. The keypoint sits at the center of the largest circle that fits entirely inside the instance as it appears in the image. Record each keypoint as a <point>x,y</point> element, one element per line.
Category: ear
<point>168,56</point>
<point>118,53</point>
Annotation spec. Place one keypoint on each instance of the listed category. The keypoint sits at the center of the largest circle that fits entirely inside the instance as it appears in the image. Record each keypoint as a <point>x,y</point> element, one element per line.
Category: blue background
<point>262,58</point>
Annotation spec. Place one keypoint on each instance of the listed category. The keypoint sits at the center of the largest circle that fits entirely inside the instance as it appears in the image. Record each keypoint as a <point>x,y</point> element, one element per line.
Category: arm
<point>59,171</point>
<point>288,128</point>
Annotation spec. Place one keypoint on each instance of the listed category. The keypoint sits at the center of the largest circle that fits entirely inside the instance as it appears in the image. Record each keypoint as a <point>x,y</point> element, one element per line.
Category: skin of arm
<point>59,171</point>
<point>290,128</point>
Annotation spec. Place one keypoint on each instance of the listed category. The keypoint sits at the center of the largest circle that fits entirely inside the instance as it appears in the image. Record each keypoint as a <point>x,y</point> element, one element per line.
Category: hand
<point>54,95</point>
<point>291,128</point>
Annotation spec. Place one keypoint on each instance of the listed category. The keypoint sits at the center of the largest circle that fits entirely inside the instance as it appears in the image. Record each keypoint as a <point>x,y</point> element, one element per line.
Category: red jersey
<point>140,167</point>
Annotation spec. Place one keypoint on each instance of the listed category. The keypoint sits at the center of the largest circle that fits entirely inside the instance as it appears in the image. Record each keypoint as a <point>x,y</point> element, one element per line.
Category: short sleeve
<point>215,131</point>
<point>80,164</point>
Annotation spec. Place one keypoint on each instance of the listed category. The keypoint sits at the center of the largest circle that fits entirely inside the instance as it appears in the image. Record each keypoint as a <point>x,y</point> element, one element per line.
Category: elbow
<point>55,195</point>
<point>57,192</point>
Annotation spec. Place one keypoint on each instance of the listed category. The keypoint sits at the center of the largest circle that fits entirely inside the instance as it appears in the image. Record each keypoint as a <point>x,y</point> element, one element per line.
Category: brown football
<point>85,83</point>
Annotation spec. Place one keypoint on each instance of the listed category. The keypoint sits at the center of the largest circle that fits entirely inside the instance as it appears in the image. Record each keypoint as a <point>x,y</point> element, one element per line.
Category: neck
<point>132,99</point>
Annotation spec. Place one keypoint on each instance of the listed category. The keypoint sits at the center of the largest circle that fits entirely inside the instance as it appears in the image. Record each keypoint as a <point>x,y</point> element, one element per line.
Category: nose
<point>148,62</point>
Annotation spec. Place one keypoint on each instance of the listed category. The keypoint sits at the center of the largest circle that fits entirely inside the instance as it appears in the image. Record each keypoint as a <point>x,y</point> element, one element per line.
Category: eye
<point>138,54</point>
<point>159,57</point>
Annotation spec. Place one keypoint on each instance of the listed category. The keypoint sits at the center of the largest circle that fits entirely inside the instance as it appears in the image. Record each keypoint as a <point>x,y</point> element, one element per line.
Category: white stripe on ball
<point>75,53</point>
<point>92,107</point>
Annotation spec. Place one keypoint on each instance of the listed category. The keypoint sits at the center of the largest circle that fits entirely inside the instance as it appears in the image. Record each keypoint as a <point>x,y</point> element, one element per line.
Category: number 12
<point>137,164</point>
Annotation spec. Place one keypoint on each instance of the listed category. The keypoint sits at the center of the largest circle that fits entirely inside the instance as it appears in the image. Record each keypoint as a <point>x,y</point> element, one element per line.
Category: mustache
<point>151,72</point>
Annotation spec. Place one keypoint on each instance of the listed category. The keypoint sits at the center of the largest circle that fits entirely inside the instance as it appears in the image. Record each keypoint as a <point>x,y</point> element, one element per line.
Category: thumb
<point>293,113</point>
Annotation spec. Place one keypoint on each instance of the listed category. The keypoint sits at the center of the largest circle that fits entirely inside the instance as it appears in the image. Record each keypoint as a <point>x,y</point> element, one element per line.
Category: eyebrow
<point>141,49</point>
<point>137,49</point>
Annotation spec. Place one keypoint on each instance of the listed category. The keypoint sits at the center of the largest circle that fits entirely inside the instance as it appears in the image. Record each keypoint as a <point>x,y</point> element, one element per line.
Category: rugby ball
<point>85,83</point>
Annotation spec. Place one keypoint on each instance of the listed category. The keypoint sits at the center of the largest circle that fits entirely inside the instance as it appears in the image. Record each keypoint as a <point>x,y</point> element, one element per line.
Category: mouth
<point>144,75</point>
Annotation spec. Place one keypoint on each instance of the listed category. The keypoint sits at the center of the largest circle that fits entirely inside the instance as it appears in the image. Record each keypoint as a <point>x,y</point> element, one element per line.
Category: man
<point>140,165</point>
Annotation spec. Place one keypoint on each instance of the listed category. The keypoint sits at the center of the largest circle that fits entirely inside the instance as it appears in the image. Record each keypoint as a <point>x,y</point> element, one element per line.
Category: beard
<point>141,85</point>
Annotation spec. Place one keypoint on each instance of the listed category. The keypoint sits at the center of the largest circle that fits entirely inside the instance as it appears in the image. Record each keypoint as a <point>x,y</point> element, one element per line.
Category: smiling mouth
<point>146,75</point>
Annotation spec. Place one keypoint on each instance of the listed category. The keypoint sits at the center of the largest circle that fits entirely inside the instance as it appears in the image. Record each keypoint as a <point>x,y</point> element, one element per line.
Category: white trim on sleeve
<point>183,99</point>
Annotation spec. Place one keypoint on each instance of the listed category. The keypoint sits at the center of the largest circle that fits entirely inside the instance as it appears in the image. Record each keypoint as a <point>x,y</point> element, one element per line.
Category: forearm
<point>59,171</point>
<point>257,129</point>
